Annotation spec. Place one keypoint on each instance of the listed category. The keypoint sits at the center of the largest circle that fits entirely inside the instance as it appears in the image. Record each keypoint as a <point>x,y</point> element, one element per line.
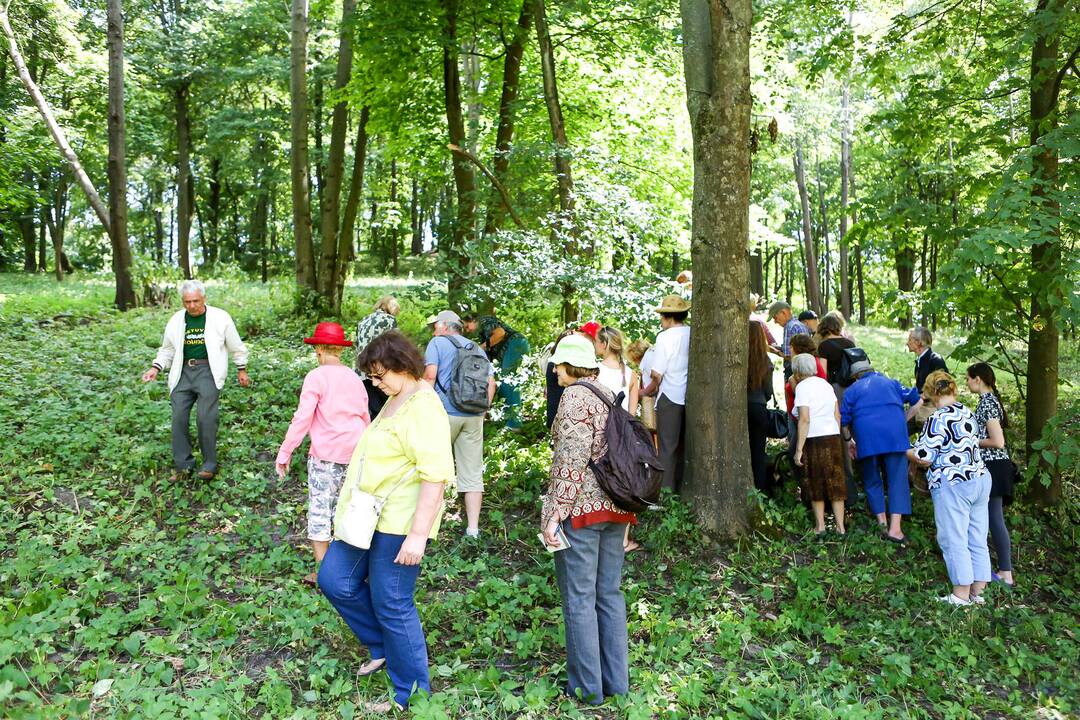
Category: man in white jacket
<point>195,350</point>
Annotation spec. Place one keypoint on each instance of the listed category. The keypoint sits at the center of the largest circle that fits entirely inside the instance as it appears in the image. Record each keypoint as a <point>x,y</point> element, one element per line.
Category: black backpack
<point>630,472</point>
<point>849,357</point>
<point>468,389</point>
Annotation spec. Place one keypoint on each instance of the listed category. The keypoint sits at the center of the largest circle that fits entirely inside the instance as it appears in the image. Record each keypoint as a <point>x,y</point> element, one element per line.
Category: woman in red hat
<point>333,410</point>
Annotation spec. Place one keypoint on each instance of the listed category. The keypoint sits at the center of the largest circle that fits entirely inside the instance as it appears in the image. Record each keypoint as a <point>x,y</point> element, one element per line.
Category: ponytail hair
<point>612,340</point>
<point>984,372</point>
<point>938,384</point>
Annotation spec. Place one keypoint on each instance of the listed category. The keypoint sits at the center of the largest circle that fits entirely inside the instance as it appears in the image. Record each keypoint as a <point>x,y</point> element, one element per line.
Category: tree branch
<point>1069,63</point>
<point>490,176</point>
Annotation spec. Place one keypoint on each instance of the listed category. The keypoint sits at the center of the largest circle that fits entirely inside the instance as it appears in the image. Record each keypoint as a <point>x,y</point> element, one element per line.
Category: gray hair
<point>777,307</point>
<point>192,286</point>
<point>922,336</point>
<point>804,365</point>
<point>456,328</point>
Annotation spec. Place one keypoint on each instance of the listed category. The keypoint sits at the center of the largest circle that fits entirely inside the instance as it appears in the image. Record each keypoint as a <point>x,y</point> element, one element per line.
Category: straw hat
<point>673,304</point>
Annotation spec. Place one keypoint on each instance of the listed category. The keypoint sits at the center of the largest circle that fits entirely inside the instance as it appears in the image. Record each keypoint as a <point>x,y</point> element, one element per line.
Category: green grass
<point>122,595</point>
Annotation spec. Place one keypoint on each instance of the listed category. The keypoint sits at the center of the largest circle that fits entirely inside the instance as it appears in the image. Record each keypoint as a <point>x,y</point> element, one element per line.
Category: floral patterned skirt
<point>823,469</point>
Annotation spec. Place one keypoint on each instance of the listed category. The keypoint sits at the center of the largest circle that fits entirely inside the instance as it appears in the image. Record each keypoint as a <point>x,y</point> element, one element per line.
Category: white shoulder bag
<point>362,514</point>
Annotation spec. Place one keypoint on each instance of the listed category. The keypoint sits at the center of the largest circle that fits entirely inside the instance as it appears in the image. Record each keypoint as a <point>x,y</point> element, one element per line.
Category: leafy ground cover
<point>123,595</point>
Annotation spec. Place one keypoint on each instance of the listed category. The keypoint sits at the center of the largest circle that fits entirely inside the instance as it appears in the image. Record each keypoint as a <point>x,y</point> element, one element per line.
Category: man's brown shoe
<point>206,475</point>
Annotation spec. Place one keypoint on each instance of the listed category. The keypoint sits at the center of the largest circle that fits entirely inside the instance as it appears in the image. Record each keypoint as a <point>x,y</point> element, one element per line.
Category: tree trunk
<point>117,164</point>
<point>464,180</point>
<point>301,192</point>
<point>813,284</point>
<point>183,179</point>
<point>416,246</point>
<point>260,215</point>
<point>395,226</point>
<point>346,246</point>
<point>826,291</point>
<point>212,245</point>
<point>1044,286</point>
<point>716,55</point>
<point>156,194</point>
<point>845,168</point>
<point>905,275</point>
<point>563,176</point>
<point>504,135</point>
<point>757,273</point>
<point>330,205</point>
<point>55,130</point>
<point>43,211</point>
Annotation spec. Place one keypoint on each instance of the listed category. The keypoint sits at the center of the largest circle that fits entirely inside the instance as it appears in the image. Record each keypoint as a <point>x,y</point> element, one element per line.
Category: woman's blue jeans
<point>961,513</point>
<point>589,573</point>
<point>374,596</point>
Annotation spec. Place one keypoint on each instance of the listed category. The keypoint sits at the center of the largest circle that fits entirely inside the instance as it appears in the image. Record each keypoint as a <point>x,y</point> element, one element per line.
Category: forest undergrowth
<point>123,594</point>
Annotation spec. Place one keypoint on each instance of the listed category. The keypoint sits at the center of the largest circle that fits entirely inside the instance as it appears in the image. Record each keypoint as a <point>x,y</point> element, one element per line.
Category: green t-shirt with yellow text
<point>194,337</point>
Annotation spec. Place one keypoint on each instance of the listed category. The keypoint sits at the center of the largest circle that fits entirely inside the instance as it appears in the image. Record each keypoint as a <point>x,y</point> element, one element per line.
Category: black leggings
<point>999,534</point>
<point>757,423</point>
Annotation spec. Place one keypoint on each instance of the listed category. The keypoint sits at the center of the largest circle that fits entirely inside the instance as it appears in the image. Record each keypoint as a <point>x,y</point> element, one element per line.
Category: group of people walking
<point>391,436</point>
<point>840,408</point>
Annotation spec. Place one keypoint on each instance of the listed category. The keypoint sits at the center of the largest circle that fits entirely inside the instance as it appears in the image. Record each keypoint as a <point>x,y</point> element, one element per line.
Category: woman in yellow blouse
<point>409,443</point>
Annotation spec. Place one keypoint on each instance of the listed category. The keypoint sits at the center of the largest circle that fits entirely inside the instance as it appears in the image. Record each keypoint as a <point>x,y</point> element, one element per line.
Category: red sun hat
<point>590,328</point>
<point>328,333</point>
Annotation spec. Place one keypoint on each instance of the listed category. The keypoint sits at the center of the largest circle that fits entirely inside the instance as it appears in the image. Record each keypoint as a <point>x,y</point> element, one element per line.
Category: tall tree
<point>184,190</point>
<point>504,134</point>
<point>563,176</point>
<point>121,250</point>
<point>813,284</point>
<point>464,179</point>
<point>330,205</point>
<point>301,190</point>
<point>1045,291</point>
<point>716,56</point>
<point>346,250</point>
<point>845,170</point>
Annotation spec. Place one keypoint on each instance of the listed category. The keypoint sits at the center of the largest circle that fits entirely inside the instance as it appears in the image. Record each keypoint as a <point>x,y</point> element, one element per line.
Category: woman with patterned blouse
<point>588,567</point>
<point>383,318</point>
<point>959,486</point>
<point>990,414</point>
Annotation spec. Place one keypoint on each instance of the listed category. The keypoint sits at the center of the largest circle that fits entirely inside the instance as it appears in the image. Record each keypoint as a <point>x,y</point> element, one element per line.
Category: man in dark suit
<point>919,341</point>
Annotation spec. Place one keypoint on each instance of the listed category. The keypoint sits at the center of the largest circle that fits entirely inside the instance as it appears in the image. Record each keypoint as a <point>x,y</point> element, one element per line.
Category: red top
<point>789,391</point>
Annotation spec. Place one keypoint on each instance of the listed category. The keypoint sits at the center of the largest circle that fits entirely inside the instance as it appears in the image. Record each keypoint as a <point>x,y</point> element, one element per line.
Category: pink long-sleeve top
<point>333,410</point>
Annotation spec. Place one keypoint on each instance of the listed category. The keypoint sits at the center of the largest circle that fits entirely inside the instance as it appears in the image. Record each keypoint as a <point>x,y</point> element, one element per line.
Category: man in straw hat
<point>668,382</point>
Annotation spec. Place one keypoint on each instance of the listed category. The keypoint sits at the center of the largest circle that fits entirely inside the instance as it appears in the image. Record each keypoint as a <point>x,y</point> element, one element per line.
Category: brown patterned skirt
<point>823,469</point>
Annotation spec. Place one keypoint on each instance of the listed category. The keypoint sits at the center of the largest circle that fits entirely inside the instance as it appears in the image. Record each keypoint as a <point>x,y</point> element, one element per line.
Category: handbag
<point>776,424</point>
<point>357,525</point>
<point>648,412</point>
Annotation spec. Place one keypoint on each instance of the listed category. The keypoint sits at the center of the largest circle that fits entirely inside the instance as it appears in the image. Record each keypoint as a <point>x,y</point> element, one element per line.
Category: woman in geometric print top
<point>990,415</point>
<point>959,486</point>
<point>588,567</point>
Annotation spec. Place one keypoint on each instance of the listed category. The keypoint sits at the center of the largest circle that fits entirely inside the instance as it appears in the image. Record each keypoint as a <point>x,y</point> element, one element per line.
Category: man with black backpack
<point>464,379</point>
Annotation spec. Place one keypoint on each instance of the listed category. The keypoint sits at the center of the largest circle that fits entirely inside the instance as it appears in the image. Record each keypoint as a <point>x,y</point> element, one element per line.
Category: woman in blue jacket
<point>872,413</point>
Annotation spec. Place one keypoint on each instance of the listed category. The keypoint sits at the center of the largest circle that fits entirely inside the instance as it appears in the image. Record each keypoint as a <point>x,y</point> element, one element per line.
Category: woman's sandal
<point>631,546</point>
<point>371,667</point>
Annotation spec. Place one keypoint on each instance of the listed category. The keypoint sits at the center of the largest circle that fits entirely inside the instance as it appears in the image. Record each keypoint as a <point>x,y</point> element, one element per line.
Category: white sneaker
<point>978,599</point>
<point>951,599</point>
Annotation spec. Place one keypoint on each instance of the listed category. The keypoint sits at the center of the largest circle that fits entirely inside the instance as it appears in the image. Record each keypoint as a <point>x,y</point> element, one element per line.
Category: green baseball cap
<point>577,351</point>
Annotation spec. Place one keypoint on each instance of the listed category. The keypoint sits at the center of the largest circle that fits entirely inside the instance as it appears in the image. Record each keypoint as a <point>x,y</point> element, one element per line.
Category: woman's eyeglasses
<point>376,375</point>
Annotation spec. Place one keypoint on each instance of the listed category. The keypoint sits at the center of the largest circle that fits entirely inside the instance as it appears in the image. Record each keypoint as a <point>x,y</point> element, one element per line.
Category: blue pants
<point>896,470</point>
<point>374,596</point>
<point>589,573</point>
<point>962,518</point>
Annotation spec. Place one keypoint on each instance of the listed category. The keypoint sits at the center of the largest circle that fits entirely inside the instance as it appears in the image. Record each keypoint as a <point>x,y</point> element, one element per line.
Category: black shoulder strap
<point>597,393</point>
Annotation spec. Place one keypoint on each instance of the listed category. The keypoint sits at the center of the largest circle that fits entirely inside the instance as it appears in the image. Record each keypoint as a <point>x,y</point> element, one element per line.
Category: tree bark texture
<point>330,207</point>
<point>58,135</point>
<point>301,190</point>
<point>117,164</point>
<point>183,179</point>
<point>504,134</point>
<point>813,284</point>
<point>1046,294</point>
<point>717,60</point>
<point>464,179</point>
